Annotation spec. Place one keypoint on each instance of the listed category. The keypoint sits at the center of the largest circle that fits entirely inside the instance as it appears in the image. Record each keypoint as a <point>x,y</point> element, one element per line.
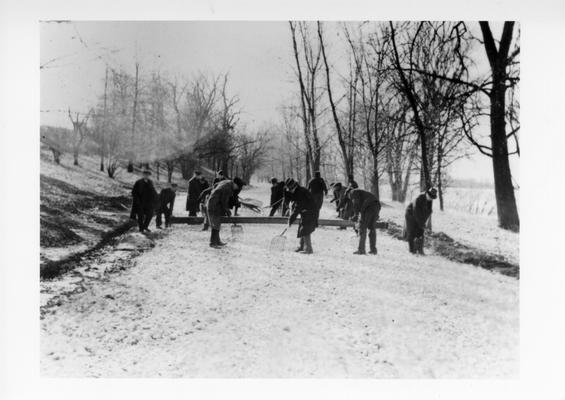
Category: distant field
<point>478,201</point>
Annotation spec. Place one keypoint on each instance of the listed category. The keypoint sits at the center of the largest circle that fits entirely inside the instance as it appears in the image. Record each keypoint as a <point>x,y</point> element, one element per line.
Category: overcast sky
<point>257,55</point>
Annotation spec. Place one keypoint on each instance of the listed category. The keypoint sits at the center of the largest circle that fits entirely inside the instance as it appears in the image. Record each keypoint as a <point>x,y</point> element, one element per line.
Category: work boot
<point>301,247</point>
<point>218,241</point>
<point>359,252</point>
<point>307,245</point>
<point>205,228</point>
<point>419,245</point>
<point>373,251</point>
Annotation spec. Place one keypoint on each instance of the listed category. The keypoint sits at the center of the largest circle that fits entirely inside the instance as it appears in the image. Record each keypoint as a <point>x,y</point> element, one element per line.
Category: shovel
<point>278,242</point>
<point>236,232</point>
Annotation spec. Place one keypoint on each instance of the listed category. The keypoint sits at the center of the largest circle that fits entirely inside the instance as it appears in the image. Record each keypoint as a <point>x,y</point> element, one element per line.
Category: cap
<point>432,192</point>
<point>238,182</point>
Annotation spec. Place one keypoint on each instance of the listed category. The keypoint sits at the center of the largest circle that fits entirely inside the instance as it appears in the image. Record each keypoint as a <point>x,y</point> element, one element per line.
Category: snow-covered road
<point>186,310</point>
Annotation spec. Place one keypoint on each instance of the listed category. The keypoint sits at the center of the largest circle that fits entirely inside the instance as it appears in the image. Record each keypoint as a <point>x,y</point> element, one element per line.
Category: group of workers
<point>216,201</point>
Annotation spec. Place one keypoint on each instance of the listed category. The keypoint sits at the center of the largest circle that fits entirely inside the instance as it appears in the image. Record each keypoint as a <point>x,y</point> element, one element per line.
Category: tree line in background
<point>148,121</point>
<point>404,103</point>
<point>379,101</point>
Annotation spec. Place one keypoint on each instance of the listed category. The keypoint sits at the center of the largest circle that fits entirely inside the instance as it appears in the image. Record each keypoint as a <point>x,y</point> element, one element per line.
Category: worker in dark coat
<point>166,205</point>
<point>144,201</point>
<point>194,189</point>
<point>303,204</point>
<point>366,208</point>
<point>416,216</point>
<point>317,186</point>
<point>277,196</point>
<point>218,205</point>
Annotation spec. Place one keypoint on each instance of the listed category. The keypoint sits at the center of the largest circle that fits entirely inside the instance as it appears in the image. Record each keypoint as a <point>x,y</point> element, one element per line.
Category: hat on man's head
<point>432,192</point>
<point>290,184</point>
<point>238,182</point>
<point>220,172</point>
<point>317,174</point>
<point>146,172</point>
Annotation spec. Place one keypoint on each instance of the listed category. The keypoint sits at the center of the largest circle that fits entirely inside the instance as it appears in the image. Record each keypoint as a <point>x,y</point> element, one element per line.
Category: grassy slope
<point>79,204</point>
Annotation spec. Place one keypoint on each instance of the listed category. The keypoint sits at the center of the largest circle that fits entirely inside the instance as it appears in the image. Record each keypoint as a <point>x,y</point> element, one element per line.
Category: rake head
<point>236,231</point>
<point>278,242</point>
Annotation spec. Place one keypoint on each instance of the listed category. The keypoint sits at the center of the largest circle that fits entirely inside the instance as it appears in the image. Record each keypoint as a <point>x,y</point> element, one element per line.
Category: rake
<point>236,232</point>
<point>278,242</point>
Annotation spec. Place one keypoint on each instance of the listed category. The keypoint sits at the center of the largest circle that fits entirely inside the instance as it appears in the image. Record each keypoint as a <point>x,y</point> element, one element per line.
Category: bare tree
<point>345,135</point>
<point>504,74</point>
<point>500,60</point>
<point>374,99</point>
<point>250,155</point>
<point>309,96</point>
<point>407,87</point>
<point>134,117</point>
<point>79,133</point>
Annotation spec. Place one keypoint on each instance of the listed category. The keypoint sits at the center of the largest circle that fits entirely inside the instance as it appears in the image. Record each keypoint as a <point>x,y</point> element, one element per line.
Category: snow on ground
<point>480,231</point>
<point>477,231</point>
<point>186,310</point>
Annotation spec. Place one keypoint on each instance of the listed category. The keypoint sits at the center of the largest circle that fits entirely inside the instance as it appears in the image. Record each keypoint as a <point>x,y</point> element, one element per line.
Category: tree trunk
<point>75,157</point>
<point>56,155</point>
<point>103,144</point>
<point>440,192</point>
<point>133,118</point>
<point>170,169</point>
<point>404,191</point>
<point>503,188</point>
<point>375,178</point>
<point>308,166</point>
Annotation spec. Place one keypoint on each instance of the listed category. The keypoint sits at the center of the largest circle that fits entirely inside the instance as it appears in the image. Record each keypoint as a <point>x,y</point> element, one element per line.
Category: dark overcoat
<point>277,193</point>
<point>218,203</point>
<point>194,190</point>
<point>361,201</point>
<point>144,197</point>
<point>317,186</point>
<point>416,216</point>
<point>303,204</point>
<point>167,200</point>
